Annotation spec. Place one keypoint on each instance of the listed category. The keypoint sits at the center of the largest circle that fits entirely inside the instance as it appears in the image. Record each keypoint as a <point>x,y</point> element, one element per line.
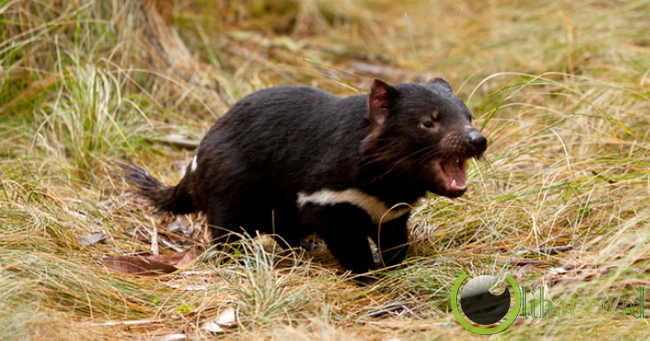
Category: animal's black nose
<point>478,141</point>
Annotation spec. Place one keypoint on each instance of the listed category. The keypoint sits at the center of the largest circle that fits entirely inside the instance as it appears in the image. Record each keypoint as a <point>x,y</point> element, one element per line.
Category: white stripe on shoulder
<point>375,208</point>
<point>194,164</point>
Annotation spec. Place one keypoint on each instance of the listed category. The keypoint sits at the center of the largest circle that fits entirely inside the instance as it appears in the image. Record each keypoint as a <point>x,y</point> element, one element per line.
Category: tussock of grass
<point>561,89</point>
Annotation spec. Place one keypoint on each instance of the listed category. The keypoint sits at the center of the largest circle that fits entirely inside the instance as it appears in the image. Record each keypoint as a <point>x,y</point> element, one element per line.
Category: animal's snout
<point>477,141</point>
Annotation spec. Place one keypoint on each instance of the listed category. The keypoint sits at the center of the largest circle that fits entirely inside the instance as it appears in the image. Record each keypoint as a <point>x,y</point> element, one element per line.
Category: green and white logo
<point>488,313</point>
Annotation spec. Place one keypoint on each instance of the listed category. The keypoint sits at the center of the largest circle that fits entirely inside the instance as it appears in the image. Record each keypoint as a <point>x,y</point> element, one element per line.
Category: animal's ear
<point>380,100</point>
<point>442,82</point>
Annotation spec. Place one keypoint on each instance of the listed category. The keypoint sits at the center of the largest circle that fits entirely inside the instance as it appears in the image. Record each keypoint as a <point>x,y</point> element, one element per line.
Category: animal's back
<point>291,136</point>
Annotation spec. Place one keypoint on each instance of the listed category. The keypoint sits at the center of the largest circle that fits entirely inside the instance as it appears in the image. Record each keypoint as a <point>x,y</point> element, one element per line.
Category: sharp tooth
<point>453,183</point>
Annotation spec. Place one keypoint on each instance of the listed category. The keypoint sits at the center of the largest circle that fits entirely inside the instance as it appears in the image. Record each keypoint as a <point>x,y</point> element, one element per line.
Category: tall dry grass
<point>561,89</point>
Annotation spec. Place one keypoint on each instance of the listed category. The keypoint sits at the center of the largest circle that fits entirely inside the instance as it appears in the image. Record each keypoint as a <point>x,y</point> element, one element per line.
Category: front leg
<point>351,249</point>
<point>345,229</point>
<point>392,240</point>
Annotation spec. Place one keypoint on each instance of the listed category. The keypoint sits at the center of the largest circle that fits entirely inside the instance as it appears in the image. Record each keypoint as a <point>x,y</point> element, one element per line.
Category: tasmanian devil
<point>296,160</point>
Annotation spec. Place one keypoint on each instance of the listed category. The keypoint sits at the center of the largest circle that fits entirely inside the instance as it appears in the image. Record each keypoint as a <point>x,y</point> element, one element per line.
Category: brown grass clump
<point>561,200</point>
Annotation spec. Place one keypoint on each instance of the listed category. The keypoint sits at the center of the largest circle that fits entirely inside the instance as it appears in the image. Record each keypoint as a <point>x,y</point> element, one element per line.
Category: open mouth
<point>450,169</point>
<point>453,173</point>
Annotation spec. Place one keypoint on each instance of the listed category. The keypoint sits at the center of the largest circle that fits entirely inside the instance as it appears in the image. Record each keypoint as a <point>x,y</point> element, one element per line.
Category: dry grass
<point>561,89</point>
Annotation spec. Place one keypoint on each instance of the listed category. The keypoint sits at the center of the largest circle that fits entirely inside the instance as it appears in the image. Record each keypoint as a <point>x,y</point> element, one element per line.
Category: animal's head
<point>422,131</point>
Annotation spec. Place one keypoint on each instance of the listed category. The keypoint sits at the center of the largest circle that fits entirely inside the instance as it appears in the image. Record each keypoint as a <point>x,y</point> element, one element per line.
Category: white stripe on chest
<point>375,208</point>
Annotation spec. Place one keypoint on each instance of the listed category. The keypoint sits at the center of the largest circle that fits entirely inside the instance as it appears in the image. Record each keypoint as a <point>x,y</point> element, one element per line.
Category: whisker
<point>432,150</point>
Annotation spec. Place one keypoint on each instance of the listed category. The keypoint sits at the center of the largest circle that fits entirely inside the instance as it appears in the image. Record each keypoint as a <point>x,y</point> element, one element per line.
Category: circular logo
<point>482,307</point>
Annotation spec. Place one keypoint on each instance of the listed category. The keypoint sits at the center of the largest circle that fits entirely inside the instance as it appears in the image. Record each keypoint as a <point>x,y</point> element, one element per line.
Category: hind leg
<point>238,216</point>
<point>227,190</point>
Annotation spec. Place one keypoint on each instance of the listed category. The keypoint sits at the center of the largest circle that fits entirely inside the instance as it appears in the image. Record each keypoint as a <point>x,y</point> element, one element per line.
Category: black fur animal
<point>325,164</point>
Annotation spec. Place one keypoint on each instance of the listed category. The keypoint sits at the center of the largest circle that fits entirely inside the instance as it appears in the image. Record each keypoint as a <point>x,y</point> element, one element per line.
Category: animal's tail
<point>172,199</point>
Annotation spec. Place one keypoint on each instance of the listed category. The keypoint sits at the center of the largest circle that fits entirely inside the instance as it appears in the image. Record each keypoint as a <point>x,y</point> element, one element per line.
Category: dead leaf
<point>178,259</point>
<point>172,337</point>
<point>91,238</point>
<point>176,140</point>
<point>227,318</point>
<point>212,327</point>
<point>557,271</point>
<point>150,265</point>
<point>139,265</point>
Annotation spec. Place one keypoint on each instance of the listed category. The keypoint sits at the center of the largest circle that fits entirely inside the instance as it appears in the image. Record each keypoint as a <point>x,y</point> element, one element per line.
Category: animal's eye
<point>427,124</point>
